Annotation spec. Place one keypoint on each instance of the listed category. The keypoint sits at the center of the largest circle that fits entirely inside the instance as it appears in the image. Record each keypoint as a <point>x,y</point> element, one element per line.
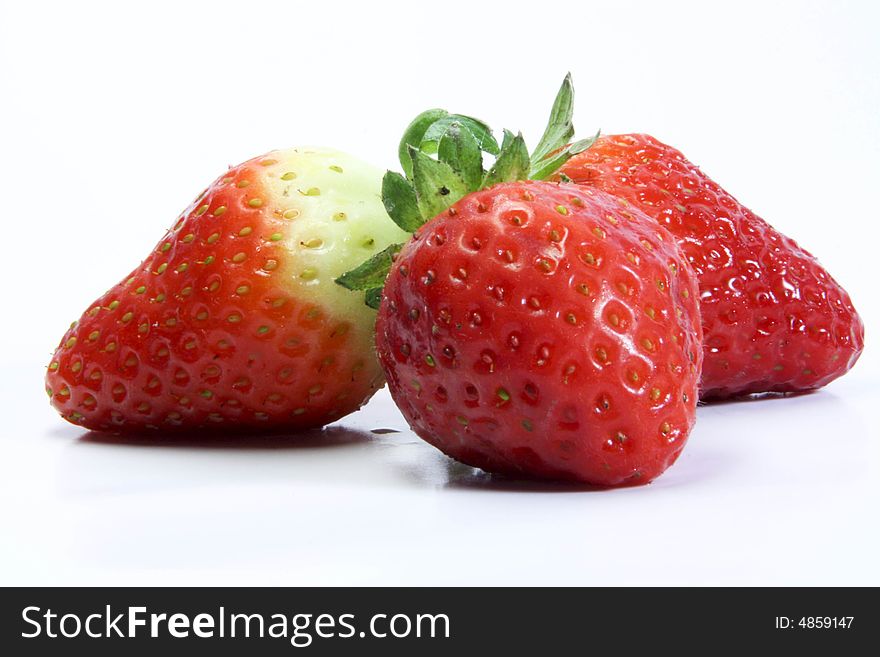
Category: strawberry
<point>233,320</point>
<point>538,329</point>
<point>533,328</point>
<point>774,320</point>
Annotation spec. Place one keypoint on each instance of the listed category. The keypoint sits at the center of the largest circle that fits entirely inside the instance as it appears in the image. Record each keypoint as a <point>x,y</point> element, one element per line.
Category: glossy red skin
<point>448,340</point>
<point>257,360</point>
<point>773,319</point>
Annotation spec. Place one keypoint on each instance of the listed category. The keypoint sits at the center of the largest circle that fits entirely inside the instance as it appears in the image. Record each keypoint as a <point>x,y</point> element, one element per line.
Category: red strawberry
<point>544,330</point>
<point>233,320</point>
<point>773,318</point>
<point>532,328</point>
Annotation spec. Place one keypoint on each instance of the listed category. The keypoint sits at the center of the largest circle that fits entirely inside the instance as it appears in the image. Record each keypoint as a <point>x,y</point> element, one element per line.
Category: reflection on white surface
<point>767,491</point>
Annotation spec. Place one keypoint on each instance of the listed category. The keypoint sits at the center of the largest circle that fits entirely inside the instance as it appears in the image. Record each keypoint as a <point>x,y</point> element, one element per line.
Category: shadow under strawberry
<point>756,397</point>
<point>328,437</point>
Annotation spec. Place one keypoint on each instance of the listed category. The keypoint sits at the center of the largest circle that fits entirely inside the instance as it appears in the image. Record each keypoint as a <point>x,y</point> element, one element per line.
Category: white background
<point>113,116</point>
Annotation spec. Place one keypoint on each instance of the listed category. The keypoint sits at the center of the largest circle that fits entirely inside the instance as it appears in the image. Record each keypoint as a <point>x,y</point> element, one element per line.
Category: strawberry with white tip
<point>233,320</point>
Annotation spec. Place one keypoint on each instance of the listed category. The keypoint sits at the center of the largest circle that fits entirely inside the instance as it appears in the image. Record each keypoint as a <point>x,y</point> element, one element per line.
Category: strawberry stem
<point>442,158</point>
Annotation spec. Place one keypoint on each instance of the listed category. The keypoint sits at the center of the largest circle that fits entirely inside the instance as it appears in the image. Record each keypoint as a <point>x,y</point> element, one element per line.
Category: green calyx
<point>442,155</point>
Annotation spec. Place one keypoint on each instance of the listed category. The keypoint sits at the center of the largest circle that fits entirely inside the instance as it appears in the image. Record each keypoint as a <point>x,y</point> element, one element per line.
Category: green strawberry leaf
<point>370,274</point>
<point>480,131</point>
<point>512,163</point>
<point>413,135</point>
<point>373,297</point>
<point>437,185</point>
<point>559,128</point>
<point>583,144</point>
<point>460,150</point>
<point>508,137</point>
<point>400,202</point>
<point>550,164</point>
